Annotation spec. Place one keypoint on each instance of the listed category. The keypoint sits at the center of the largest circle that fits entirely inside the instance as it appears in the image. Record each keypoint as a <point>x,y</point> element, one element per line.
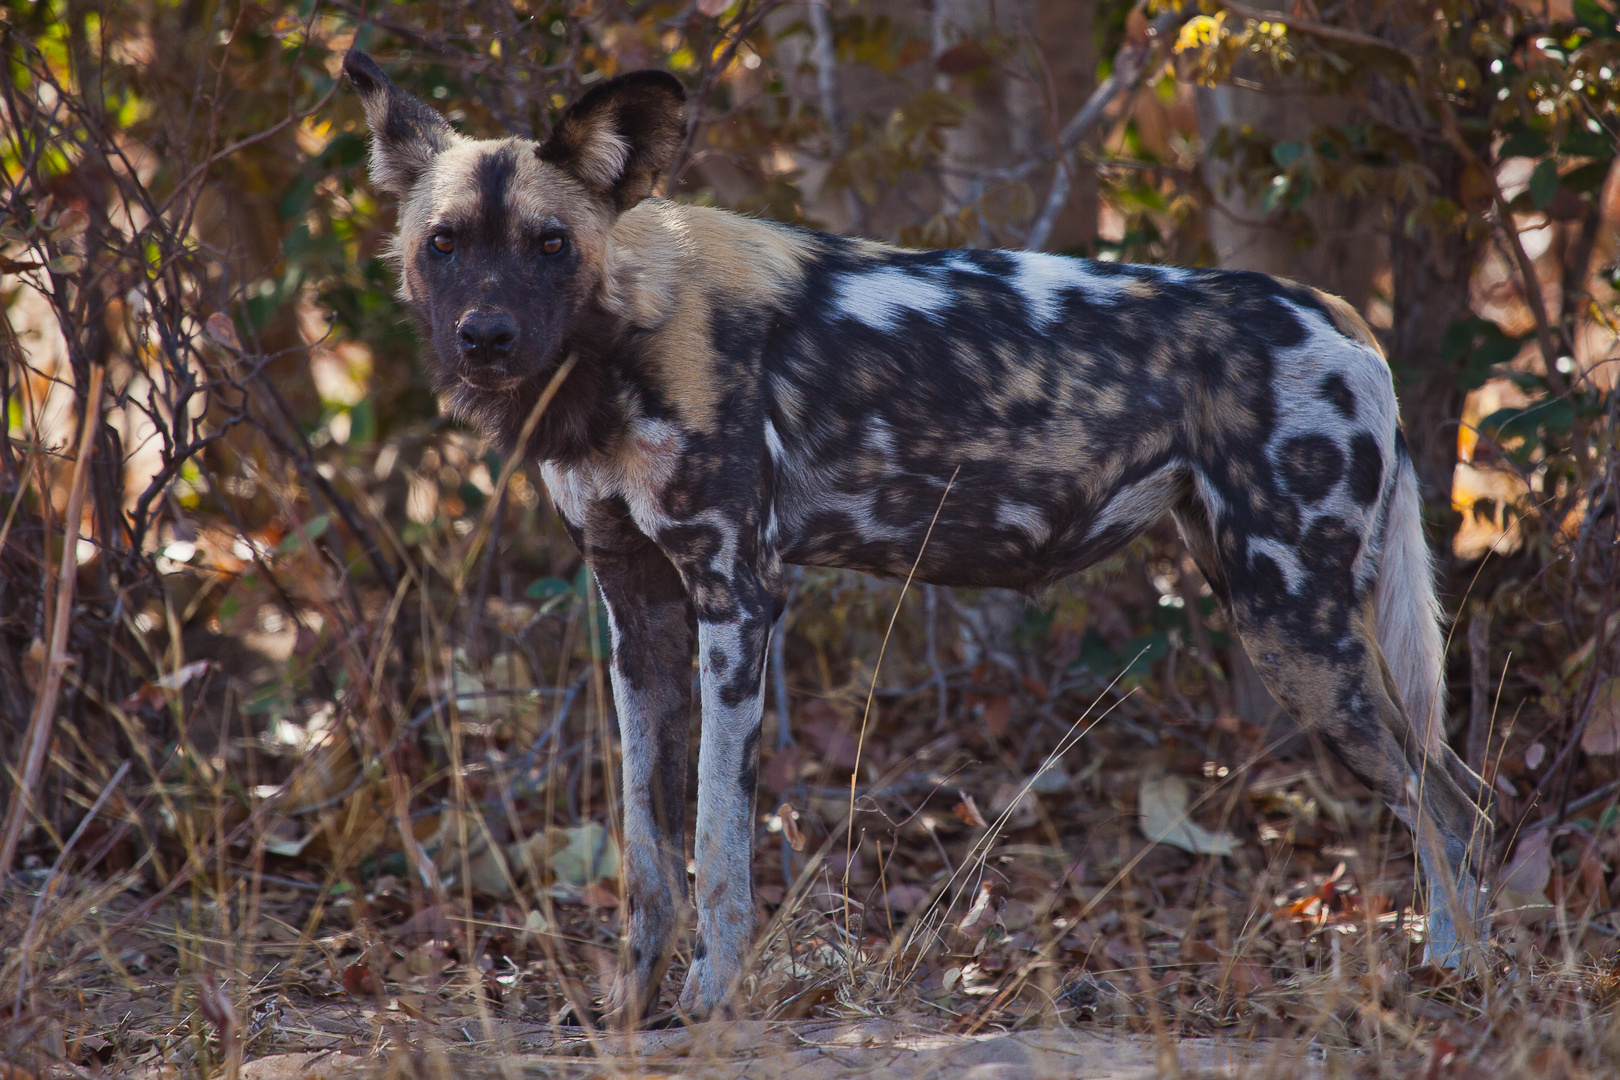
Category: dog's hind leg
<point>1344,697</point>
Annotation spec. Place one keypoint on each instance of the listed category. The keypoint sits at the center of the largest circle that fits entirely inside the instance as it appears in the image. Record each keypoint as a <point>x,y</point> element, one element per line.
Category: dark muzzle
<point>487,335</point>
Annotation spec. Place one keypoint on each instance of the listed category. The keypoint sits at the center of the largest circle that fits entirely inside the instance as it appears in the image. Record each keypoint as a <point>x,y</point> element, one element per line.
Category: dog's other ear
<point>406,135</point>
<point>618,137</point>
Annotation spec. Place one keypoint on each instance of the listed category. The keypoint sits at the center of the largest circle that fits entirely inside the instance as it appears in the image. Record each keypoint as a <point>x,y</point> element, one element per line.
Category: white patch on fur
<point>1136,506</point>
<point>637,473</point>
<point>601,160</point>
<point>570,490</point>
<point>1286,556</point>
<point>1407,615</point>
<point>961,263</point>
<point>1025,518</point>
<point>1302,410</point>
<point>773,444</point>
<point>880,437</point>
<point>880,298</point>
<point>1041,280</point>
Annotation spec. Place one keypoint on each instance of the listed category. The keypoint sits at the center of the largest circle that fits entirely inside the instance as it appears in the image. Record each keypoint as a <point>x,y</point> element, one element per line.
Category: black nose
<point>487,333</point>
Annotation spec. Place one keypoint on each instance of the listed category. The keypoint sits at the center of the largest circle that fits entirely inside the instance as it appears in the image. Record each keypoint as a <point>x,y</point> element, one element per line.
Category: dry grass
<point>326,766</point>
<point>243,893</point>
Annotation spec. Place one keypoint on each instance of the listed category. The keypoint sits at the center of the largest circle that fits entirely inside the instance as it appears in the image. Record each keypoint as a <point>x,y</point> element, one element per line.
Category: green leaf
<point>1581,143</point>
<point>1588,177</point>
<point>1593,16</point>
<point>1544,184</point>
<point>546,588</point>
<point>1524,143</point>
<point>1286,153</point>
<point>1529,426</point>
<point>313,529</point>
<point>1477,346</point>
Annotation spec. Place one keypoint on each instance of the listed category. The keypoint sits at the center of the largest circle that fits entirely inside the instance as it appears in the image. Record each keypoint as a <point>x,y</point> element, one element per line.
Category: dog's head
<point>501,243</point>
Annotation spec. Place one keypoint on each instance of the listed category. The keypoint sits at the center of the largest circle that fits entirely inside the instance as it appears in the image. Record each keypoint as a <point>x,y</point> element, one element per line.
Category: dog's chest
<point>637,474</point>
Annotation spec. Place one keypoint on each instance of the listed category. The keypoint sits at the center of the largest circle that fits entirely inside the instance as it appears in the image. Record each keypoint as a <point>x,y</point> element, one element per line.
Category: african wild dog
<point>746,394</point>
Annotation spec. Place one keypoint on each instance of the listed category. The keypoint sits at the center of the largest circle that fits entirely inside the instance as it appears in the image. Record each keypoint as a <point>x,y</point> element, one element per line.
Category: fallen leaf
<point>968,811</point>
<point>994,711</point>
<point>1534,755</point>
<point>906,896</point>
<point>429,924</point>
<point>150,696</point>
<point>361,982</point>
<point>1161,807</point>
<point>1017,803</point>
<point>830,731</point>
<point>781,772</point>
<point>597,895</point>
<point>1531,867</point>
<point>1602,734</point>
<point>283,839</point>
<point>572,858</point>
<point>981,914</point>
<point>790,826</point>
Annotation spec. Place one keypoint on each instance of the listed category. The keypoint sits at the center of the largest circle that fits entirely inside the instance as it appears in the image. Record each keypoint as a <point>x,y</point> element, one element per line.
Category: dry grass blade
<point>475,542</point>
<point>39,725</point>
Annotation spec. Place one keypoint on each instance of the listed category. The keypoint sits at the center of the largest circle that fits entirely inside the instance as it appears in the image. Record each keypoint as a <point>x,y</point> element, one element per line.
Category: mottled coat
<point>739,394</point>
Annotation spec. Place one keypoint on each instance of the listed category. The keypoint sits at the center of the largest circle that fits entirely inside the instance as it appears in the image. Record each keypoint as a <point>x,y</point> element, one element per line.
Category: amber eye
<point>553,245</point>
<point>443,243</point>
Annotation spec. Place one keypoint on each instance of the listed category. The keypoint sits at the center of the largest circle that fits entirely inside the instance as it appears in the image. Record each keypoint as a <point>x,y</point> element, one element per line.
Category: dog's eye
<point>443,243</point>
<point>553,245</point>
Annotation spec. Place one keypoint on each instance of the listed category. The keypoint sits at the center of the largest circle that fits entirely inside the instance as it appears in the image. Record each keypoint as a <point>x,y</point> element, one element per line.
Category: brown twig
<point>1319,30</point>
<point>40,724</point>
<point>1131,63</point>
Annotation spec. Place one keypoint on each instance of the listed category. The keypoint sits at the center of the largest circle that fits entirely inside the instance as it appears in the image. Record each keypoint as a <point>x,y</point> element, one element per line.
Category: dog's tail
<point>1406,613</point>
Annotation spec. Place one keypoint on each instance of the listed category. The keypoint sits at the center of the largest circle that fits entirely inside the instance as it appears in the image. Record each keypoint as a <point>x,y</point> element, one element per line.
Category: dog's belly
<point>1001,523</point>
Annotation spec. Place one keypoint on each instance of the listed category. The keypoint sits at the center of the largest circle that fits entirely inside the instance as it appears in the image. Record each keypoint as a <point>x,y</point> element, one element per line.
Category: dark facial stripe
<point>492,179</point>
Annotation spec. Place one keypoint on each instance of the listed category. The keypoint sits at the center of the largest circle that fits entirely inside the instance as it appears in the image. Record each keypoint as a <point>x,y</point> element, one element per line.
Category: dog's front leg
<point>653,626</point>
<point>733,632</point>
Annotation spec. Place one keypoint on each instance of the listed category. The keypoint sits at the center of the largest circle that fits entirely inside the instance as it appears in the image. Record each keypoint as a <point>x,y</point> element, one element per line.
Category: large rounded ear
<point>621,135</point>
<point>406,135</point>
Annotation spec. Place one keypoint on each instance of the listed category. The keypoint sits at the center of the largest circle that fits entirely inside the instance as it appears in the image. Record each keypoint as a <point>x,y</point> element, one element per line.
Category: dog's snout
<point>487,333</point>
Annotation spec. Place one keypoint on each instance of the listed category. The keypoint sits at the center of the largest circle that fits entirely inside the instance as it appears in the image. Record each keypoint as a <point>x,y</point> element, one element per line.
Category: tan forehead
<point>473,174</point>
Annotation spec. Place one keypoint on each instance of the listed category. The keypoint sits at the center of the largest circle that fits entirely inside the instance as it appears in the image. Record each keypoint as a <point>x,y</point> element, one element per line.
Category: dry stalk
<point>39,725</point>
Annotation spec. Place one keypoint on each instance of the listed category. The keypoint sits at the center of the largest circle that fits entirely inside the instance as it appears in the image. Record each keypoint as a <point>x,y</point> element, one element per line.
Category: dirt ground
<point>877,1049</point>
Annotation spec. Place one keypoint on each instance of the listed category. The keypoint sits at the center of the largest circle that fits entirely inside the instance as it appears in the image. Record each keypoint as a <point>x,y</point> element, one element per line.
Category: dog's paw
<point>706,994</point>
<point>627,1003</point>
<point>1441,946</point>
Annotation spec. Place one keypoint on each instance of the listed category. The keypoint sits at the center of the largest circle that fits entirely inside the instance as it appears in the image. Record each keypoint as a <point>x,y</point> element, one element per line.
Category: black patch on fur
<point>492,178</point>
<point>647,109</point>
<point>1311,465</point>
<point>408,129</point>
<point>748,778</point>
<point>700,948</point>
<point>1337,393</point>
<point>1366,469</point>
